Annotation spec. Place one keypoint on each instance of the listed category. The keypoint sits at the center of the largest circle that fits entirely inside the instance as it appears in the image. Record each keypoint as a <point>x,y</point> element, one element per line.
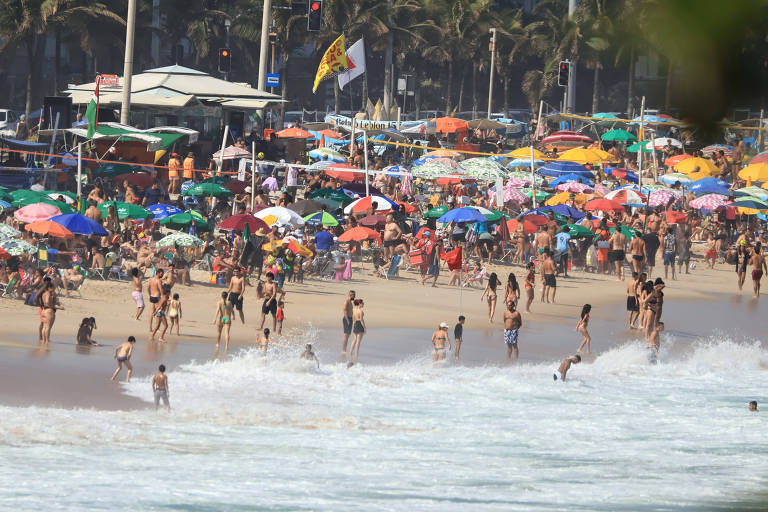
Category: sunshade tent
<point>238,223</point>
<point>618,135</point>
<point>180,240</point>
<point>49,228</point>
<point>697,164</point>
<point>359,234</point>
<point>321,219</point>
<point>124,210</point>
<point>80,224</point>
<point>184,220</point>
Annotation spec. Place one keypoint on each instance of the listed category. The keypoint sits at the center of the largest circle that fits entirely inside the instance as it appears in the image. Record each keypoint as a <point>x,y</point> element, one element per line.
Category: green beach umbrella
<point>7,231</point>
<point>540,195</point>
<point>180,240</point>
<point>618,135</point>
<point>25,193</point>
<point>65,208</point>
<point>326,219</point>
<point>628,231</point>
<point>124,210</point>
<point>578,231</point>
<point>18,247</point>
<point>207,190</point>
<point>184,220</point>
<point>638,146</point>
<point>436,213</point>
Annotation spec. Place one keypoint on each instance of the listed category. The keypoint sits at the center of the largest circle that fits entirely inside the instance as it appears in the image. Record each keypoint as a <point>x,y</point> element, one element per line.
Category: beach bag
<point>417,257</point>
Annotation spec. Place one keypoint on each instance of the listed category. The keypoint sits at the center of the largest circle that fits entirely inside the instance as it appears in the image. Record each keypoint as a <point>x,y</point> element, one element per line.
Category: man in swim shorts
<point>758,265</point>
<point>269,306</point>
<point>560,373</point>
<point>548,270</point>
<point>123,354</point>
<point>513,321</point>
<point>235,292</point>
<point>633,306</point>
<point>160,388</point>
<point>137,294</point>
<point>155,290</point>
<point>346,321</point>
<point>439,339</point>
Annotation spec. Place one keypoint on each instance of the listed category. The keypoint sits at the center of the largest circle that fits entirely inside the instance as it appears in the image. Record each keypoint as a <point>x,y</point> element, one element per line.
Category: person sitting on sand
<point>560,373</point>
<point>123,354</point>
<point>308,354</point>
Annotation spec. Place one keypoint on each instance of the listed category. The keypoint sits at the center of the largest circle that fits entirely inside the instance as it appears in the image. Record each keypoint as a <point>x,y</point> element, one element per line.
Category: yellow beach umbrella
<point>698,165</point>
<point>765,186</point>
<point>270,220</point>
<point>582,156</point>
<point>755,172</point>
<point>293,245</point>
<point>562,197</point>
<point>525,153</point>
<point>606,156</point>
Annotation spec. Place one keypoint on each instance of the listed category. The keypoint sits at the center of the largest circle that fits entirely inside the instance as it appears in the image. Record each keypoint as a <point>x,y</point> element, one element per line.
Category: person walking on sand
<point>223,320</point>
<point>618,243</point>
<point>155,290</point>
<point>560,373</point>
<point>358,329</point>
<point>511,289</point>
<point>439,340</point>
<point>582,328</point>
<point>346,321</point>
<point>758,266</point>
<point>138,296</point>
<point>513,321</point>
<point>161,314</point>
<point>490,291</point>
<point>530,284</point>
<point>236,290</point>
<point>633,305</point>
<point>269,305</point>
<point>458,336</point>
<point>548,276</point>
<point>160,388</point>
<point>637,250</point>
<point>174,313</point>
<point>123,354</point>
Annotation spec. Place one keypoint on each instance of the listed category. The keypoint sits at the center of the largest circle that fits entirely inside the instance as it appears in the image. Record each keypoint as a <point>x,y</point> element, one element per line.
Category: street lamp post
<point>130,29</point>
<point>493,64</point>
<point>227,24</point>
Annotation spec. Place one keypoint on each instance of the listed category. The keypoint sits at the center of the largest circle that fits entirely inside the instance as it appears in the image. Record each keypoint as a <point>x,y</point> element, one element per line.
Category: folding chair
<point>9,288</point>
<point>394,267</point>
<point>103,272</point>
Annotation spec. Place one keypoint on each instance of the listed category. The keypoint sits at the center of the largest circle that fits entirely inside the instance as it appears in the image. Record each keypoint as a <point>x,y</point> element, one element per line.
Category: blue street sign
<point>273,80</point>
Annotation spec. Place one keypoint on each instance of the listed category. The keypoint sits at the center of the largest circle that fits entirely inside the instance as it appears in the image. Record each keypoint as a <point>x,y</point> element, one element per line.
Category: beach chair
<point>102,273</point>
<point>116,270</point>
<point>476,278</point>
<point>394,267</point>
<point>9,288</point>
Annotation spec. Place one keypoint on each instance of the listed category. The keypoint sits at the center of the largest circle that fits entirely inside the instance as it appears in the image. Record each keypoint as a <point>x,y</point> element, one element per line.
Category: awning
<point>23,144</point>
<point>156,138</point>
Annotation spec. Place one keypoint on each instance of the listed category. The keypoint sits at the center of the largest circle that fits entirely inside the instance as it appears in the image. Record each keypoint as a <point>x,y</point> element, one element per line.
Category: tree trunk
<point>460,103</point>
<point>449,87</point>
<point>57,62</point>
<point>474,91</point>
<point>595,89</point>
<point>417,94</point>
<point>668,88</point>
<point>32,65</point>
<point>631,84</point>
<point>364,102</point>
<point>335,96</point>
<point>505,81</point>
<point>388,64</point>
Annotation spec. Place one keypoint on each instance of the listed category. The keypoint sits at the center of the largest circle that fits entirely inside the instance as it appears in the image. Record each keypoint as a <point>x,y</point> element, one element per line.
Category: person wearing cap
<point>189,166</point>
<point>174,165</point>
<point>439,339</point>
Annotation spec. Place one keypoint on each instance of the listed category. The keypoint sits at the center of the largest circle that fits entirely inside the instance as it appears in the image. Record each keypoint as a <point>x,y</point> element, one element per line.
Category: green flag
<point>247,233</point>
<point>92,112</point>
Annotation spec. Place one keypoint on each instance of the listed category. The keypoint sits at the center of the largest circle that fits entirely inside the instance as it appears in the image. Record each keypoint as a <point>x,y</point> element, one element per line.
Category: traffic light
<point>315,16</point>
<point>563,73</point>
<point>225,60</point>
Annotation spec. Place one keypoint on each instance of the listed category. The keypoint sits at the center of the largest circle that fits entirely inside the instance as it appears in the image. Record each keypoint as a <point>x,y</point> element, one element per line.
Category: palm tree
<point>597,28</point>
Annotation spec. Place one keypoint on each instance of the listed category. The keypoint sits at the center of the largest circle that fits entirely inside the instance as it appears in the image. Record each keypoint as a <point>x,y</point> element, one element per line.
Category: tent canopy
<point>156,138</point>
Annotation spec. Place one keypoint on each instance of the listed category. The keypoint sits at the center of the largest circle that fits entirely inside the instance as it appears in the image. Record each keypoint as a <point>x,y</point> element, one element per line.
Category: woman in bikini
<point>174,313</point>
<point>223,320</point>
<point>511,289</point>
<point>162,313</point>
<point>582,328</point>
<point>530,281</point>
<point>490,290</point>
<point>47,303</point>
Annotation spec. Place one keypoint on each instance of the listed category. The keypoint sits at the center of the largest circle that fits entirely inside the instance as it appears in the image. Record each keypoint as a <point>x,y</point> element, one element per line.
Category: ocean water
<point>278,434</point>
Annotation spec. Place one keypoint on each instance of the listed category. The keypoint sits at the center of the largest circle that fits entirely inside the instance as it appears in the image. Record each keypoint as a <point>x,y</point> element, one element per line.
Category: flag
<point>355,63</point>
<point>246,233</point>
<point>334,61</point>
<point>453,258</point>
<point>92,112</point>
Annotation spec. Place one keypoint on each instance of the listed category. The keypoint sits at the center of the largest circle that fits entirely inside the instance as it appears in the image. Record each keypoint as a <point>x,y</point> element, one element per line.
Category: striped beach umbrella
<point>709,202</point>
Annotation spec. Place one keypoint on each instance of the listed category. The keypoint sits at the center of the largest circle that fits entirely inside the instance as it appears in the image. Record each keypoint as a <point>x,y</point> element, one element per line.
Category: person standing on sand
<point>358,329</point>
<point>269,306</point>
<point>236,290</point>
<point>652,243</point>
<point>160,388</point>
<point>560,373</point>
<point>155,290</point>
<point>392,236</point>
<point>46,300</point>
<point>618,251</point>
<point>161,313</point>
<point>137,294</point>
<point>174,313</point>
<point>490,291</point>
<point>758,266</point>
<point>439,339</point>
<point>637,250</point>
<point>530,283</point>
<point>548,270</point>
<point>582,328</point>
<point>513,321</point>
<point>670,250</point>
<point>511,289</point>
<point>458,335</point>
<point>123,354</point>
<point>223,320</point>
<point>346,321</point>
<point>633,306</point>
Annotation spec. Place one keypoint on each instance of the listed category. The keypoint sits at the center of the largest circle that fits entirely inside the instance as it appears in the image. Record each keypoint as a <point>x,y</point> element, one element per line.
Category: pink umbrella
<point>36,212</point>
<point>573,186</point>
<point>661,198</point>
<point>601,189</point>
<point>270,183</point>
<point>709,202</point>
<point>406,185</point>
<point>517,183</point>
<point>453,164</point>
<point>230,153</point>
<point>515,195</point>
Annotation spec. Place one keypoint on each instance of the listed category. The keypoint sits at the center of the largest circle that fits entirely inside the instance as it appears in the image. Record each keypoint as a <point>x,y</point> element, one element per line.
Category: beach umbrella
<point>207,190</point>
<point>432,168</point>
<point>238,223</point>
<point>674,177</point>
<point>697,164</point>
<point>561,168</point>
<point>626,196</point>
<point>330,193</point>
<point>459,178</point>
<point>573,187</point>
<point>604,205</point>
<point>618,135</point>
<point>608,118</point>
<point>67,197</point>
<point>515,195</point>
<point>437,212</point>
<point>5,205</point>
<point>760,158</point>
<point>321,218</point>
<point>293,245</point>
<point>563,197</point>
<point>327,154</point>
<point>639,146</point>
<point>329,134</point>
<point>280,215</point>
<point>584,156</point>
<point>35,212</point>
<point>571,178</point>
<point>752,203</point>
<point>752,191</point>
<point>535,217</point>
<point>185,220</point>
<point>526,176</point>
<point>528,225</point>
<point>306,206</point>
<point>525,153</point>
<point>373,220</point>
<point>579,231</point>
<point>359,234</point>
<point>709,202</point>
<point>622,174</point>
<point>320,165</point>
<point>63,207</point>
<point>710,186</point>
<point>490,215</point>
<point>390,170</point>
<point>231,153</point>
<point>517,183</point>
<point>755,172</point>
<point>464,214</point>
<point>565,136</point>
<point>564,210</point>
<point>7,231</point>
<point>486,124</point>
<point>648,119</point>
<point>379,204</point>
<point>716,148</point>
<point>628,232</point>
<point>676,217</point>
<point>4,255</point>
<point>450,125</point>
<point>80,224</point>
<point>358,190</point>
<point>481,168</point>
<point>50,228</point>
<point>17,247</point>
<point>25,193</point>
<point>450,162</point>
<point>662,142</point>
<point>345,172</point>
<point>676,159</point>
<point>521,162</point>
<point>180,240</point>
<point>294,133</point>
<point>124,210</point>
<point>661,197</point>
<point>540,194</point>
<point>161,211</point>
<point>329,204</point>
<point>406,207</point>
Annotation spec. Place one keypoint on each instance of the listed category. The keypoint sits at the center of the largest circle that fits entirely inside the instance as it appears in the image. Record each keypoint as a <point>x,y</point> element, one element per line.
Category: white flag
<point>356,62</point>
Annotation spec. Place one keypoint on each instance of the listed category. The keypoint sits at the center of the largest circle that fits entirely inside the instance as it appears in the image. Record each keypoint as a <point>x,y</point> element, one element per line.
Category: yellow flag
<point>334,61</point>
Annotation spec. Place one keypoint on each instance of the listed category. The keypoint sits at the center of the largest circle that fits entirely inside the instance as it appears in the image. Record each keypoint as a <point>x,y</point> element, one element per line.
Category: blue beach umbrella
<point>525,162</point>
<point>710,186</point>
<point>80,224</point>
<point>162,211</point>
<point>571,177</point>
<point>557,169</point>
<point>562,209</point>
<point>464,214</point>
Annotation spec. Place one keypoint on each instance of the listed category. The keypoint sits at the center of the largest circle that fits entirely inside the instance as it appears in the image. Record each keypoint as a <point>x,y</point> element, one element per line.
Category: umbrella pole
<point>533,178</point>
<point>79,173</point>
<point>365,149</point>
<point>253,172</point>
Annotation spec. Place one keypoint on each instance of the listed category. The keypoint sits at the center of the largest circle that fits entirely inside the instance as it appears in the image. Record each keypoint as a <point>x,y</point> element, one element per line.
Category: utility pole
<point>493,64</point>
<point>227,24</point>
<point>266,16</point>
<point>572,72</point>
<point>388,63</point>
<point>130,28</point>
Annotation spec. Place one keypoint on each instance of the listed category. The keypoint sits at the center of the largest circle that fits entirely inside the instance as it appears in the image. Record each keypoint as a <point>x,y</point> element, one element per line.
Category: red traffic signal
<point>225,60</point>
<point>314,6</point>
<point>563,73</point>
<point>315,16</point>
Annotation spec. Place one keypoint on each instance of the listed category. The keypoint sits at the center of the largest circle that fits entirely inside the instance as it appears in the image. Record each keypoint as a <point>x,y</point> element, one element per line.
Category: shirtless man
<point>758,266</point>
<point>560,373</point>
<point>155,290</point>
<point>637,249</point>
<point>618,251</point>
<point>654,222</point>
<point>123,354</point>
<point>137,294</point>
<point>552,229</point>
<point>543,242</point>
<point>269,306</point>
<point>346,321</point>
<point>160,387</point>
<point>633,305</point>
<point>169,278</point>
<point>513,321</point>
<point>439,340</point>
<point>144,257</point>
<point>358,329</point>
<point>92,212</point>
<point>548,270</point>
<point>392,235</point>
<point>654,343</point>
<point>236,290</point>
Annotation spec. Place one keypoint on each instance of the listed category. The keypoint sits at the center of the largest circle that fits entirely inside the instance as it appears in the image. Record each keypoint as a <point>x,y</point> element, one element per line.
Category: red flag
<point>453,258</point>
